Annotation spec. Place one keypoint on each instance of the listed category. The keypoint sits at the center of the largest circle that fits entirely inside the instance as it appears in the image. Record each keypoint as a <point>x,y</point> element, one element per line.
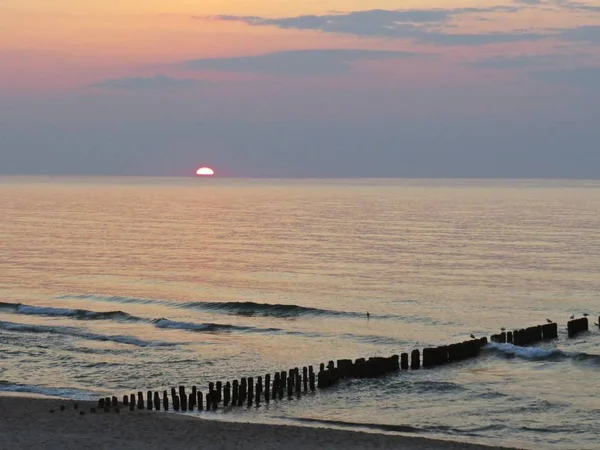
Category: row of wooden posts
<point>527,336</point>
<point>249,392</point>
<point>238,393</point>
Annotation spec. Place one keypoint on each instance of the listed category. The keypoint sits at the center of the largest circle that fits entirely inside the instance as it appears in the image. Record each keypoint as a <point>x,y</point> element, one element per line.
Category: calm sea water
<point>110,285</point>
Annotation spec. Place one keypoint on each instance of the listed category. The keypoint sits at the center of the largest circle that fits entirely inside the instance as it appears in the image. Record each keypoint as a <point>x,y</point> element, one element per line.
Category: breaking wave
<point>81,314</point>
<point>207,327</point>
<point>533,353</point>
<point>75,332</point>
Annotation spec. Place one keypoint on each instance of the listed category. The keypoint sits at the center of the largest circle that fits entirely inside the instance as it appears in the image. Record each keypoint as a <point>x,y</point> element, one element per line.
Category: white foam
<point>525,352</point>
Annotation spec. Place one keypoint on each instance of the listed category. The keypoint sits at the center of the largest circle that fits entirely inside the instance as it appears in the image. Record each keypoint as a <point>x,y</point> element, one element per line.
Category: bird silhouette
<point>548,320</point>
<point>502,329</point>
<point>585,314</point>
<point>473,337</point>
<point>572,316</point>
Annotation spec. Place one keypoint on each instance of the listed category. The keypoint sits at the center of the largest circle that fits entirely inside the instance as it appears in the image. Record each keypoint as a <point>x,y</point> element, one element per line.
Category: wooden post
<point>259,388</point>
<point>283,378</point>
<point>298,385</point>
<point>192,398</point>
<point>305,378</point>
<point>214,401</point>
<point>311,378</point>
<point>290,387</point>
<point>115,401</point>
<point>509,337</point>
<point>176,402</point>
<point>219,391</point>
<point>199,400</point>
<point>242,395</point>
<point>182,398</point>
<point>140,404</point>
<point>165,401</point>
<point>101,403</point>
<point>429,357</point>
<point>149,400</point>
<point>550,331</point>
<point>173,395</point>
<point>276,383</point>
<point>250,391</point>
<point>404,361</point>
<point>126,400</point>
<point>267,387</point>
<point>131,402</point>
<point>227,394</point>
<point>415,359</point>
<point>235,393</point>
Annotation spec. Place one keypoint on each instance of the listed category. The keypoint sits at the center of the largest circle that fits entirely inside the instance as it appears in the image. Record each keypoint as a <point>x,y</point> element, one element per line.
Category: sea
<point>113,285</point>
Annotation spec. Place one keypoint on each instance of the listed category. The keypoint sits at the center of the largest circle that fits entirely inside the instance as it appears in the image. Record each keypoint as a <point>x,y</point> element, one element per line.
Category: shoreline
<point>26,422</point>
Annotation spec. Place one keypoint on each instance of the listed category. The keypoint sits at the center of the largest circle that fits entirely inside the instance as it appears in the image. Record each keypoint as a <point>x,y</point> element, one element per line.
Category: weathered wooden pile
<point>294,382</point>
<point>576,326</point>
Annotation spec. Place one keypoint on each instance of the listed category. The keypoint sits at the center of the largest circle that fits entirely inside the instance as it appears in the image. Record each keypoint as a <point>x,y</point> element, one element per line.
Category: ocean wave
<point>264,309</point>
<point>586,358</point>
<point>443,429</point>
<point>81,314</point>
<point>532,353</point>
<point>230,308</point>
<point>207,327</point>
<point>61,392</point>
<point>75,332</point>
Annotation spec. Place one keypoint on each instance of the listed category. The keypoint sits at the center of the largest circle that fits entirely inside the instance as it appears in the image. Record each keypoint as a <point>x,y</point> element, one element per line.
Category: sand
<point>27,423</point>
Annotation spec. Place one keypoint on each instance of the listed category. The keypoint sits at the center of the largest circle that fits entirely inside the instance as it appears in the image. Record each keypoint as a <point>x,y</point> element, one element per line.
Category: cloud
<point>529,2</point>
<point>584,33</point>
<point>298,62</point>
<point>154,83</point>
<point>415,25</point>
<point>514,62</point>
<point>581,77</point>
<point>576,6</point>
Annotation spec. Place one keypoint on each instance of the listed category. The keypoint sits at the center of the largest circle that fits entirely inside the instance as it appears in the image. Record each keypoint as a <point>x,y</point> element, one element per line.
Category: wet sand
<point>28,423</point>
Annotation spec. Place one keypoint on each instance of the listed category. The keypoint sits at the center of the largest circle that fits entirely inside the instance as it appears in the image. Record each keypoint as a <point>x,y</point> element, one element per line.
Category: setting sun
<point>205,171</point>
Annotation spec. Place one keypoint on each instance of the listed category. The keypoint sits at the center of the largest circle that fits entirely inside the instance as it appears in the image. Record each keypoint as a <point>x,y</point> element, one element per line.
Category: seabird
<point>473,337</point>
<point>502,329</point>
<point>585,314</point>
<point>572,316</point>
<point>548,320</point>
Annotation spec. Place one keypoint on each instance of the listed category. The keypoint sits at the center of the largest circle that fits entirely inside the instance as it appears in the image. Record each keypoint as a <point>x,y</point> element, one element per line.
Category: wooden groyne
<point>248,391</point>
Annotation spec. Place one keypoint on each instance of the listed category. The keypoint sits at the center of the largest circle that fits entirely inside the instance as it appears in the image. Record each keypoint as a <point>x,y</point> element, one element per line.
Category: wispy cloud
<point>514,62</point>
<point>577,6</point>
<point>417,25</point>
<point>153,83</point>
<point>581,77</point>
<point>585,33</point>
<point>299,62</point>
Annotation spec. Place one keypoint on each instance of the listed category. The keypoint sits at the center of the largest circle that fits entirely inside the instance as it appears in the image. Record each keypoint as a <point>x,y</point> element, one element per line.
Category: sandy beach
<point>28,423</point>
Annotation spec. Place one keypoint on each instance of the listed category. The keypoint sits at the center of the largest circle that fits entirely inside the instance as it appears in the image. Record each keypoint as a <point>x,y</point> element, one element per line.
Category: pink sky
<point>266,60</point>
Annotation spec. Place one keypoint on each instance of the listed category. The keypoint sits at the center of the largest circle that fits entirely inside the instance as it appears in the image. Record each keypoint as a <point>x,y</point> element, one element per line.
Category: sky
<point>312,88</point>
